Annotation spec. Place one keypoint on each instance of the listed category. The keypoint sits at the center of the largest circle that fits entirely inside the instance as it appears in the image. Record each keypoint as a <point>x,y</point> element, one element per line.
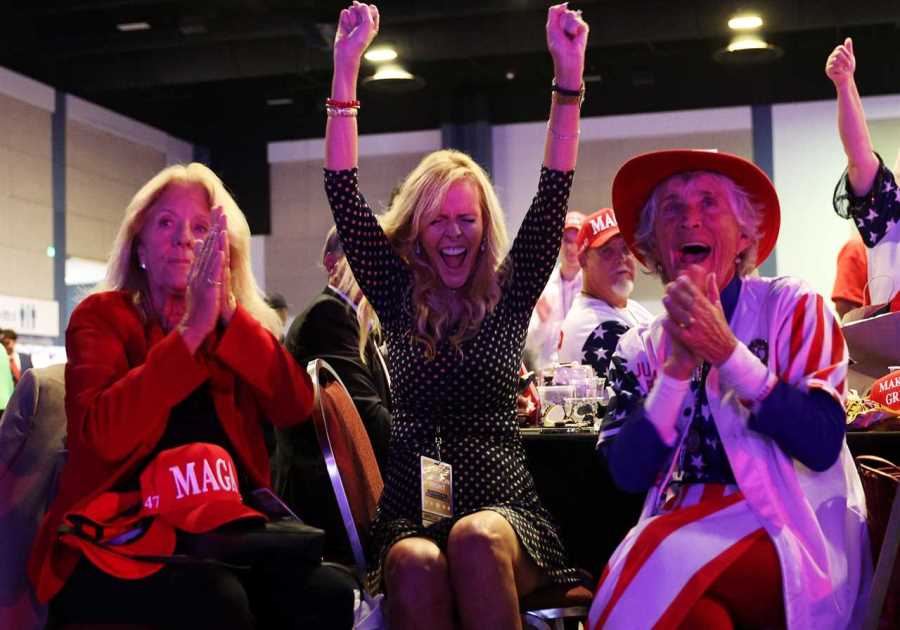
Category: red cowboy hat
<point>640,175</point>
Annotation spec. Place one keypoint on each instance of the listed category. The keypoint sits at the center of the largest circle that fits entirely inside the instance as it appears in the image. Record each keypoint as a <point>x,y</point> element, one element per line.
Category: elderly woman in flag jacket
<point>728,412</point>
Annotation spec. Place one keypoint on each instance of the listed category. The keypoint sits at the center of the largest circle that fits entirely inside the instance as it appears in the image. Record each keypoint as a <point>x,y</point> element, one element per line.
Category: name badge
<point>437,490</point>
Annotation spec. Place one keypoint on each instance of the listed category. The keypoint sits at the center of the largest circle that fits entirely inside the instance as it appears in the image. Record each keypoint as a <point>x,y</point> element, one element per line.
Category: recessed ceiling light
<point>510,75</point>
<point>748,48</point>
<point>391,71</point>
<point>380,54</point>
<point>393,77</point>
<point>129,27</point>
<point>745,22</point>
<point>747,42</point>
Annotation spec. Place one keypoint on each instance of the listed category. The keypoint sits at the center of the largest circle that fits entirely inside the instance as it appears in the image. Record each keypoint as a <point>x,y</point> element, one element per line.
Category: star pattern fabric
<point>874,214</point>
<point>703,458</point>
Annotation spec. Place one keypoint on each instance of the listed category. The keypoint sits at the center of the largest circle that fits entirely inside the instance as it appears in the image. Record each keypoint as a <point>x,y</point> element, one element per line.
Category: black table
<point>593,514</point>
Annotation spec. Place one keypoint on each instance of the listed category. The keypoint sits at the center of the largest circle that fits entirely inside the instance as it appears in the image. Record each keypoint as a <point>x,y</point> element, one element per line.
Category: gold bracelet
<point>562,136</point>
<point>333,112</point>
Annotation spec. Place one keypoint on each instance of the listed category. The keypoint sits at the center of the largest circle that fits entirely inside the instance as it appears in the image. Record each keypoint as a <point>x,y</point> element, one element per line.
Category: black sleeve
<point>381,273</point>
<point>536,246</point>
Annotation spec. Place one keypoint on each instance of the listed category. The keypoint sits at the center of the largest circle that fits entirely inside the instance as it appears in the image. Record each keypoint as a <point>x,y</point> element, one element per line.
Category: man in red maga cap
<point>602,312</point>
<point>728,412</point>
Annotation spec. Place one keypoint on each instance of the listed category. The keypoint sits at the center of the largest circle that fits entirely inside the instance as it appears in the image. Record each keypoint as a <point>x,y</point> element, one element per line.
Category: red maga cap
<point>886,390</point>
<point>110,530</point>
<point>597,229</point>
<point>194,488</point>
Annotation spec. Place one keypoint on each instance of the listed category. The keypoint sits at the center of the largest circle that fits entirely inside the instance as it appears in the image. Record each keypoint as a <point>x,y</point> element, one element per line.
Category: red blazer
<point>122,379</point>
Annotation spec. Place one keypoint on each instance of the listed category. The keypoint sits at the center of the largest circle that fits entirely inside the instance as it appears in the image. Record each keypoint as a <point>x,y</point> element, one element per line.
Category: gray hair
<point>749,217</point>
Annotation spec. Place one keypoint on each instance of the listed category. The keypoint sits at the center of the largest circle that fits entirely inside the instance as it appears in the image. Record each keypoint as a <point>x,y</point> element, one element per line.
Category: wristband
<point>565,92</point>
<point>746,375</point>
<point>663,404</point>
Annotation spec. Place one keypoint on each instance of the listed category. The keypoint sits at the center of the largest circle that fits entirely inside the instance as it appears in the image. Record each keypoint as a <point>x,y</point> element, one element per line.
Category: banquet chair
<point>32,454</point>
<point>357,485</point>
<point>881,482</point>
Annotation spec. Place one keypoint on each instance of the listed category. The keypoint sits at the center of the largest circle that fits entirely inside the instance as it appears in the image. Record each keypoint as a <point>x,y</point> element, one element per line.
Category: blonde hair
<point>124,274</point>
<point>420,196</point>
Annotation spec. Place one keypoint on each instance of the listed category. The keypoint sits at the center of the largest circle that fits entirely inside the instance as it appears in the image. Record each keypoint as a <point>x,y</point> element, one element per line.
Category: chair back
<point>881,483</point>
<point>32,454</point>
<point>349,458</point>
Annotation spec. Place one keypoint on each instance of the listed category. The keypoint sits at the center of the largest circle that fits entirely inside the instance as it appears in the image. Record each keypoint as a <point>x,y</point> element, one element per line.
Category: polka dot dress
<point>468,397</point>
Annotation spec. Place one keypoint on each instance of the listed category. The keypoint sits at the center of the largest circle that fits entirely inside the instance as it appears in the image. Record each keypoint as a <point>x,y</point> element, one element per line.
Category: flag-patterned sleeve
<point>875,213</point>
<point>628,392</point>
<point>630,444</point>
<point>536,246</point>
<point>381,273</point>
<point>810,352</point>
<point>804,413</point>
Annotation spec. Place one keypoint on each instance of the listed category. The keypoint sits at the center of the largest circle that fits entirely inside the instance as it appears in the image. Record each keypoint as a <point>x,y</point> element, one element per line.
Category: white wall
<point>808,160</point>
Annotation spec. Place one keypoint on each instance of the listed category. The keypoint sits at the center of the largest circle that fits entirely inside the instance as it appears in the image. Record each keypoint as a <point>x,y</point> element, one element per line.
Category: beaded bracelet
<point>350,112</point>
<point>563,96</point>
<point>331,102</point>
<point>562,136</point>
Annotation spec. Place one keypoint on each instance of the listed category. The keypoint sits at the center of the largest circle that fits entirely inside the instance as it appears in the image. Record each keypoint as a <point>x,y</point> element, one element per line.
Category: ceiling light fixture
<point>393,77</point>
<point>745,22</point>
<point>275,102</point>
<point>380,54</point>
<point>747,42</point>
<point>748,48</point>
<point>130,27</point>
<point>392,71</point>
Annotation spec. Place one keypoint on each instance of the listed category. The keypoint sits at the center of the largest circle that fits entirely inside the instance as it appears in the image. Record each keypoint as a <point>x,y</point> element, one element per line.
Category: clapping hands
<point>695,323</point>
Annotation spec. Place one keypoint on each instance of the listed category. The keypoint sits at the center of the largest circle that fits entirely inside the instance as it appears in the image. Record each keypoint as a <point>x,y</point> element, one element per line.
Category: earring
<point>418,248</point>
<point>483,245</point>
<point>142,265</point>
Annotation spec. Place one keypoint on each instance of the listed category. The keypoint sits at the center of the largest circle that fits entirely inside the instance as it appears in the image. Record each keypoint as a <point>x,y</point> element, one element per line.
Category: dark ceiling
<point>206,69</point>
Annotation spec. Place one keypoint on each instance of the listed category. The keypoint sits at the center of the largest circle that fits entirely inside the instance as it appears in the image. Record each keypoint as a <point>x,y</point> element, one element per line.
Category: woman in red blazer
<point>179,348</point>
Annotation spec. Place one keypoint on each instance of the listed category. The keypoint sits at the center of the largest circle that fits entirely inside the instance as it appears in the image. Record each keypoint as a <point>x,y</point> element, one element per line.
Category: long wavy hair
<point>749,217</point>
<point>124,274</point>
<point>420,196</point>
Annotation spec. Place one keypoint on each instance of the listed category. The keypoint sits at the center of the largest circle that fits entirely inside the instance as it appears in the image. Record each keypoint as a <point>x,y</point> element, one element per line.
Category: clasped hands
<point>695,326</point>
<point>209,298</point>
